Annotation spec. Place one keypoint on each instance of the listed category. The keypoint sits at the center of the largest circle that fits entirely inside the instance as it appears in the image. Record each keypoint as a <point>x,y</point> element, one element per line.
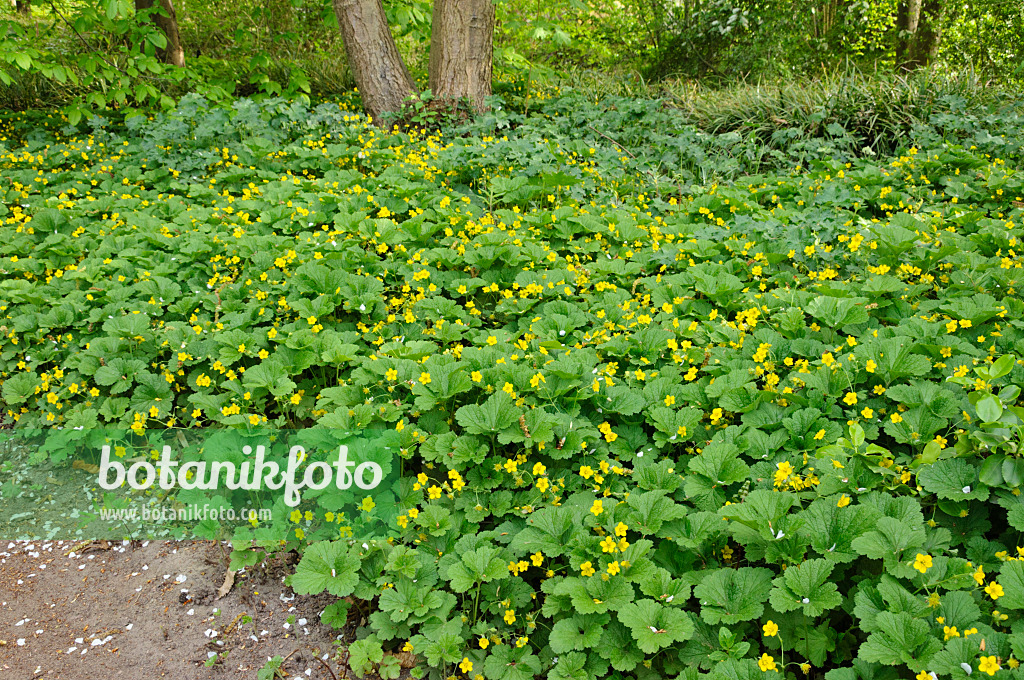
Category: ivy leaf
<point>733,595</point>
<point>806,587</point>
<point>655,626</point>
<point>326,565</point>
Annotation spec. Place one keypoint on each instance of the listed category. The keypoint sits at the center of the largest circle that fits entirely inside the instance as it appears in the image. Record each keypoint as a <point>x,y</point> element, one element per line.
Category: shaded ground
<point>146,610</point>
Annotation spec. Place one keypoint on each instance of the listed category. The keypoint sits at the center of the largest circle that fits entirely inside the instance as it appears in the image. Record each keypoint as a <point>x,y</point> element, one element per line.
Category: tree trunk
<point>24,7</point>
<point>929,33</point>
<point>172,53</point>
<point>384,82</point>
<point>919,32</point>
<point>461,50</point>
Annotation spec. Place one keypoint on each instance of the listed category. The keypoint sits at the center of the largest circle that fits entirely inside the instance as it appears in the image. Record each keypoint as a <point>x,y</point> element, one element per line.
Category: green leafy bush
<point>651,426</point>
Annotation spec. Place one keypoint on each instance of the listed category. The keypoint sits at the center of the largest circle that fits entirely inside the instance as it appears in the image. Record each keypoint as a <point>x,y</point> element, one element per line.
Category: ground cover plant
<point>669,403</point>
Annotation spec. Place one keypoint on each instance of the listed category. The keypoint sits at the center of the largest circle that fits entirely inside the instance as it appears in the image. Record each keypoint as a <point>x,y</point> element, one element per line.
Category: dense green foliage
<point>669,401</point>
<point>88,55</point>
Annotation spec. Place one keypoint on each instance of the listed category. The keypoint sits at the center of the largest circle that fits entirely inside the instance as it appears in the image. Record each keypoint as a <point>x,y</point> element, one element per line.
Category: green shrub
<point>651,425</point>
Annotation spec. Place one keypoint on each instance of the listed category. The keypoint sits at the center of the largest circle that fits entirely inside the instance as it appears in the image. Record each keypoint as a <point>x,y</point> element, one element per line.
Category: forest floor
<point>145,610</point>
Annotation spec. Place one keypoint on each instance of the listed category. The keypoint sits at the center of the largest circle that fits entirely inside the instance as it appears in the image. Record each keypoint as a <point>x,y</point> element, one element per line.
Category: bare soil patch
<point>146,610</point>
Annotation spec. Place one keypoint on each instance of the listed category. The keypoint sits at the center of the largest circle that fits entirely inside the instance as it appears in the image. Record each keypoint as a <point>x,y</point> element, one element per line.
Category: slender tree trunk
<point>918,22</point>
<point>381,76</point>
<point>901,33</point>
<point>929,33</point>
<point>24,7</point>
<point>173,53</point>
<point>461,50</point>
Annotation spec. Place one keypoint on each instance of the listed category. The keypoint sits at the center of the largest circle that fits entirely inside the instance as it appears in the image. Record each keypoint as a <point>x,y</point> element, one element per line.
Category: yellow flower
<point>767,663</point>
<point>771,629</point>
<point>597,508</point>
<point>391,374</point>
<point>867,413</point>
<point>466,666</point>
<point>870,368</point>
<point>949,632</point>
<point>922,562</point>
<point>850,399</point>
<point>510,616</point>
<point>483,642</point>
<point>896,418</point>
<point>613,568</point>
<point>979,575</point>
<point>819,435</point>
<point>989,665</point>
<point>425,378</point>
<point>843,501</point>
<point>994,590</point>
<point>587,569</point>
<point>476,376</point>
<point>608,544</point>
<point>923,675</point>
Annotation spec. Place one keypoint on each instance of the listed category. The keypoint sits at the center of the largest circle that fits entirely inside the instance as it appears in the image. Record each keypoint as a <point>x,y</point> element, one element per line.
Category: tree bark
<point>24,7</point>
<point>928,35</point>
<point>918,22</point>
<point>461,50</point>
<point>172,53</point>
<point>383,80</point>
